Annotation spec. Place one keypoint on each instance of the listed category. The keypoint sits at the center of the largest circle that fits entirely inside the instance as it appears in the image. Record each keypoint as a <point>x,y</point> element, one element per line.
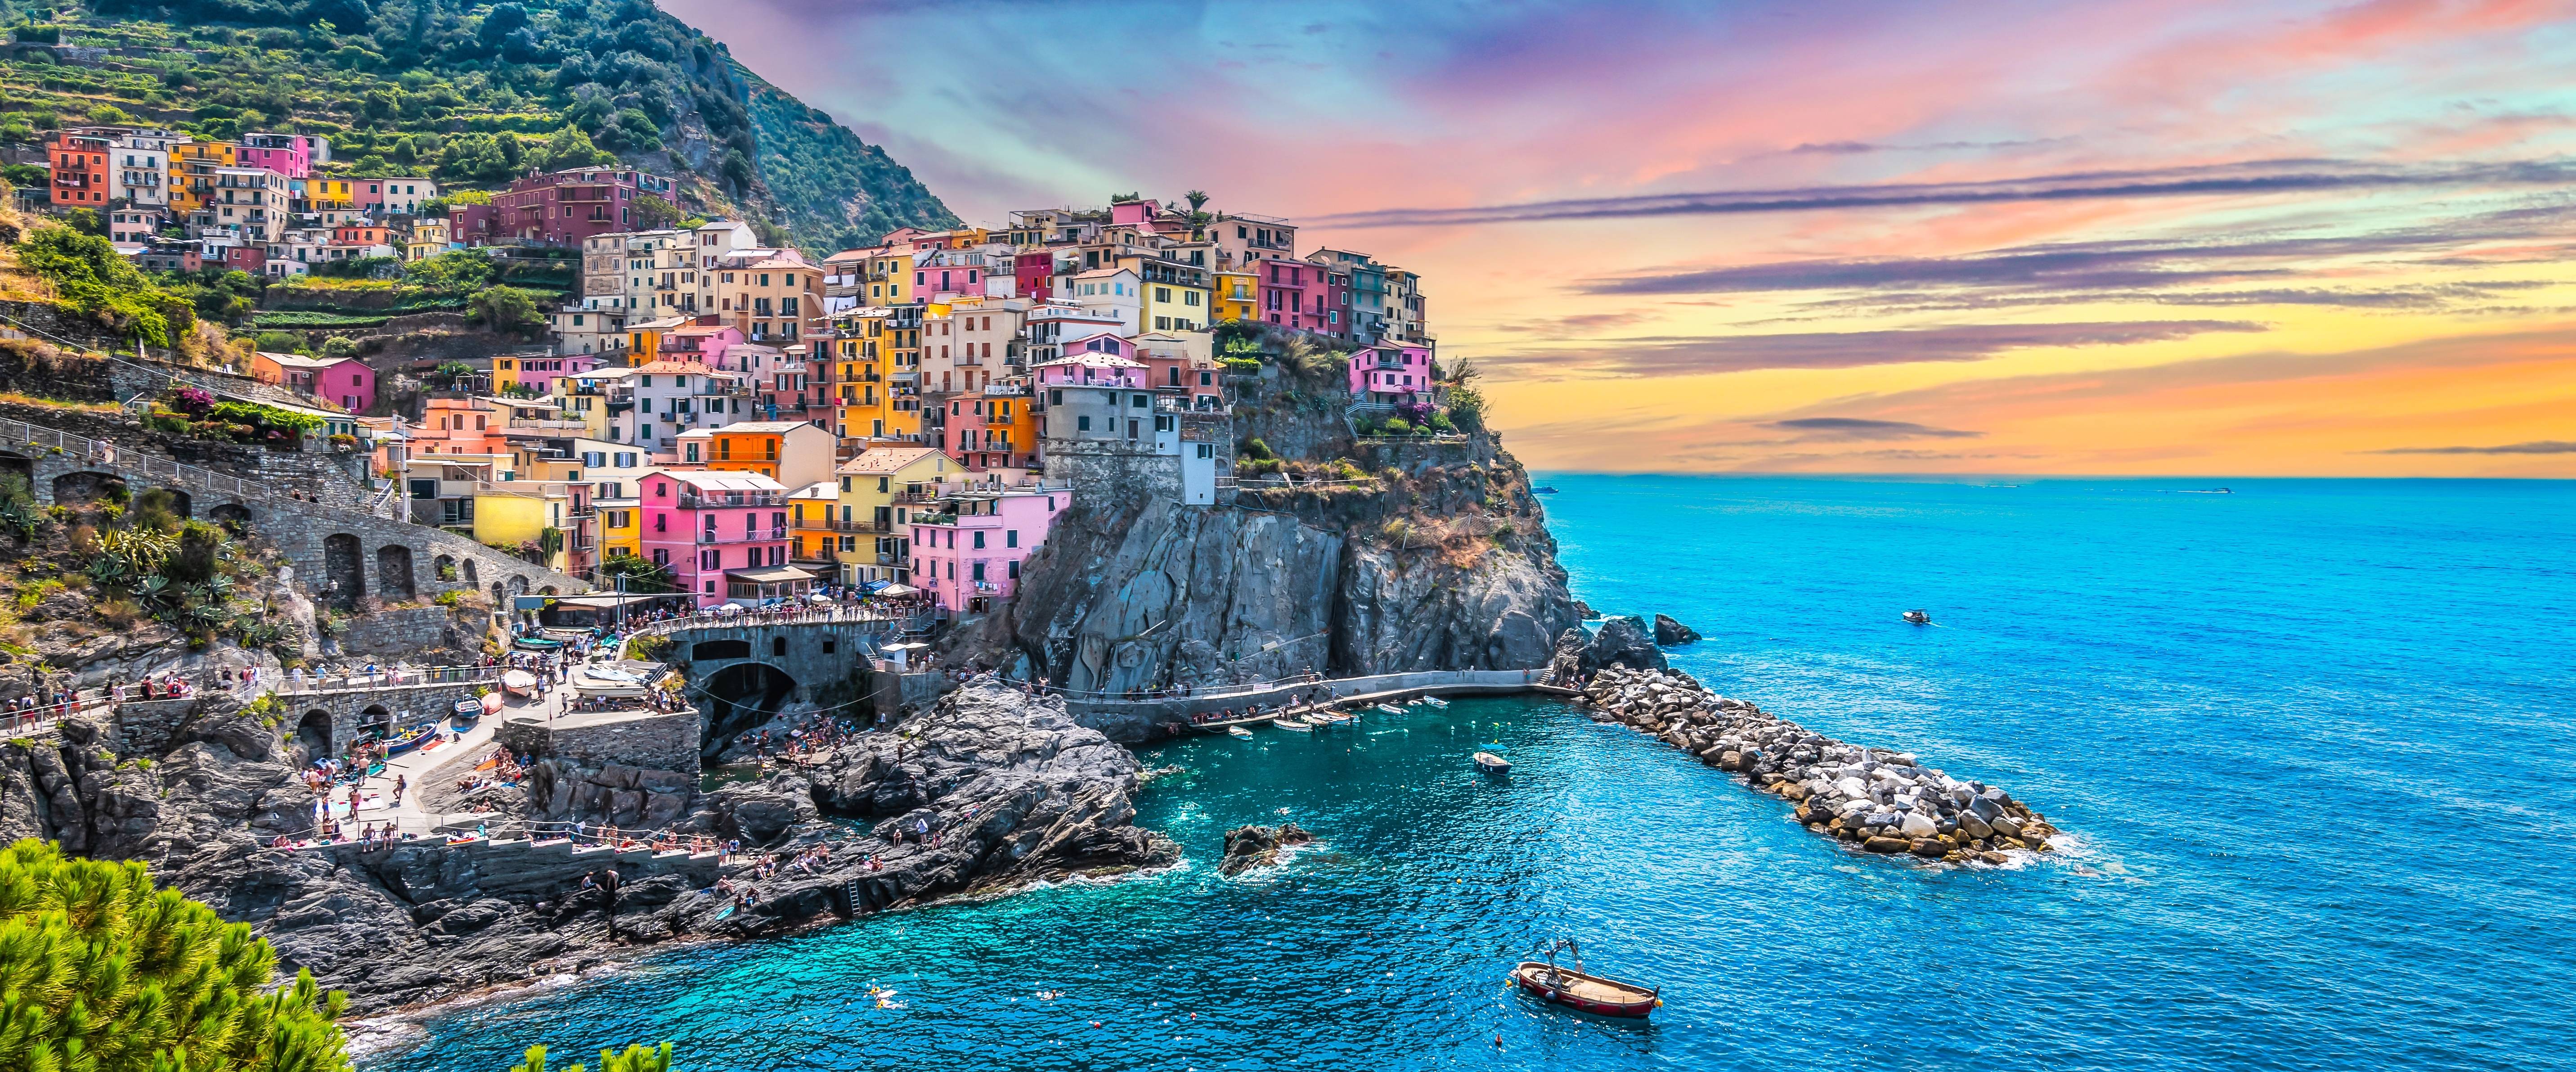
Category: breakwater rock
<point>1248,847</point>
<point>1669,632</point>
<point>1873,799</point>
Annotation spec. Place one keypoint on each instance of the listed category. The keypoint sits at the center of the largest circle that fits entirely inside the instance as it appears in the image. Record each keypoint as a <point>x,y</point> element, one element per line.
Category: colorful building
<point>395,197</point>
<point>1391,372</point>
<point>560,208</point>
<point>454,425</point>
<point>879,490</point>
<point>967,554</point>
<point>291,155</point>
<point>537,374</point>
<point>80,169</point>
<point>793,453</point>
<point>344,381</point>
<point>722,535</point>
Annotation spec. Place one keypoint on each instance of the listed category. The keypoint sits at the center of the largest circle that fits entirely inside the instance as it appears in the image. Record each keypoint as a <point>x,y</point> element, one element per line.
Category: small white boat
<point>1435,701</point>
<point>1493,764</point>
<point>1294,725</point>
<point>1919,617</point>
<point>1239,731</point>
<point>1388,708</point>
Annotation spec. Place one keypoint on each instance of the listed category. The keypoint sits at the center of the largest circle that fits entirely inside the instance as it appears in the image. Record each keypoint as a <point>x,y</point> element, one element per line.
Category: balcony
<point>732,500</point>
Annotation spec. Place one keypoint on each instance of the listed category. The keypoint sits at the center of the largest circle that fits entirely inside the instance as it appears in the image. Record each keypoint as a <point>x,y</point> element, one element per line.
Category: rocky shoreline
<point>992,790</point>
<point>1871,799</point>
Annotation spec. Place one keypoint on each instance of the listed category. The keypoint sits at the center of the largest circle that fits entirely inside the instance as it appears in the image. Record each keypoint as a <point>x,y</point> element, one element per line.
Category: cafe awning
<point>769,575</point>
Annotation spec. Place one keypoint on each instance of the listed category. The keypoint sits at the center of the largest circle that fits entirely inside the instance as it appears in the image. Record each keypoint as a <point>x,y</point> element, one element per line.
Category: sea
<point>2310,742</point>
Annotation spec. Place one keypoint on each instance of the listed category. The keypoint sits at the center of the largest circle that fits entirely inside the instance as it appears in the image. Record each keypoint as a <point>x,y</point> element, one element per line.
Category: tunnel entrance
<point>740,697</point>
<point>314,733</point>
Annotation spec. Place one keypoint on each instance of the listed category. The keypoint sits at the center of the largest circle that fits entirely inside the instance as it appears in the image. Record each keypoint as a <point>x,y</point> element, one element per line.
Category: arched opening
<point>547,591</point>
<point>180,502</point>
<point>500,599</point>
<point>344,570</point>
<point>711,650</point>
<point>393,572</point>
<point>377,720</point>
<point>742,697</point>
<point>518,586</point>
<point>231,515</point>
<point>778,647</point>
<point>470,578</point>
<point>443,567</point>
<point>20,466</point>
<point>314,733</point>
<point>74,489</point>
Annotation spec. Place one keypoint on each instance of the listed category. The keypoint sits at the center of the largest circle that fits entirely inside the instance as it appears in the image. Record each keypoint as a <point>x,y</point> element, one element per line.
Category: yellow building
<point>1237,296</point>
<point>508,517</point>
<point>589,397</point>
<point>428,238</point>
<point>644,340</point>
<point>619,531</point>
<point>877,353</point>
<point>874,508</point>
<point>192,171</point>
<point>329,195</point>
<point>1178,297</point>
<point>889,278</point>
<point>815,529</point>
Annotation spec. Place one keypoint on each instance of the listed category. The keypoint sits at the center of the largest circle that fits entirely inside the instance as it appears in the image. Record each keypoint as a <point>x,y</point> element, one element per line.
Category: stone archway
<point>234,514</point>
<point>20,466</point>
<point>443,567</point>
<point>75,488</point>
<point>378,718</point>
<point>741,697</point>
<point>344,570</point>
<point>314,733</point>
<point>470,572</point>
<point>180,502</point>
<point>518,586</point>
<point>547,591</point>
<point>500,599</point>
<point>393,573</point>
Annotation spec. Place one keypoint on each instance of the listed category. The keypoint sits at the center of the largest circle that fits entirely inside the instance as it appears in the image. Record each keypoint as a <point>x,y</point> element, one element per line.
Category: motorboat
<point>1493,764</point>
<point>1294,725</point>
<point>1582,991</point>
<point>1543,489</point>
<point>1435,701</point>
<point>1239,731</point>
<point>1387,709</point>
<point>1919,617</point>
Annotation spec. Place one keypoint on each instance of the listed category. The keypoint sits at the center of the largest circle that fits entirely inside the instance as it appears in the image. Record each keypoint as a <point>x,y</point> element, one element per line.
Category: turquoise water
<point>2310,735</point>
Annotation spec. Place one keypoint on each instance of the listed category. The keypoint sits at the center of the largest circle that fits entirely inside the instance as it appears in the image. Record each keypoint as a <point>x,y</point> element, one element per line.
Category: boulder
<point>1622,642</point>
<point>1669,632</point>
<point>1885,844</point>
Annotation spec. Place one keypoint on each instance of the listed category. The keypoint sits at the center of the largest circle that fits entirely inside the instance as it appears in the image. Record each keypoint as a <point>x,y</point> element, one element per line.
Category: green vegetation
<point>468,93</point>
<point>634,1059</point>
<point>89,278</point>
<point>196,414</point>
<point>305,318</point>
<point>102,972</point>
<point>642,576</point>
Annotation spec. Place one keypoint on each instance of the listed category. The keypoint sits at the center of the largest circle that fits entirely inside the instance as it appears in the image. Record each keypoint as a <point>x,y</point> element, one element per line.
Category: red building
<point>80,169</point>
<point>557,208</point>
<point>1031,273</point>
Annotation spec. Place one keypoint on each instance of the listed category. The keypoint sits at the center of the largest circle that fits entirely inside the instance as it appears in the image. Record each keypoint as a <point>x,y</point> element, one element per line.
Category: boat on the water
<point>1239,732</point>
<point>1435,701</point>
<point>1919,617</point>
<point>1387,709</point>
<point>1493,764</point>
<point>1543,489</point>
<point>1294,725</point>
<point>1584,992</point>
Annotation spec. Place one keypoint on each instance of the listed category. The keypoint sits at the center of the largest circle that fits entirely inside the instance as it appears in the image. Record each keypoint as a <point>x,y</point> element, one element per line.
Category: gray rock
<point>1669,632</point>
<point>1622,642</point>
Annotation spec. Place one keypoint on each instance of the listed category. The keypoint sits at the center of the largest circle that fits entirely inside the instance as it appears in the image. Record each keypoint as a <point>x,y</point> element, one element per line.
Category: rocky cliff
<point>992,789</point>
<point>1354,556</point>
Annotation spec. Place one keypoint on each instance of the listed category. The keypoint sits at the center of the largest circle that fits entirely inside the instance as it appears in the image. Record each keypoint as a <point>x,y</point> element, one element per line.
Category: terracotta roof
<point>878,460</point>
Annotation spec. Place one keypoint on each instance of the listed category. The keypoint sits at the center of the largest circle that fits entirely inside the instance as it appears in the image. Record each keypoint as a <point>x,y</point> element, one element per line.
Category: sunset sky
<point>2116,237</point>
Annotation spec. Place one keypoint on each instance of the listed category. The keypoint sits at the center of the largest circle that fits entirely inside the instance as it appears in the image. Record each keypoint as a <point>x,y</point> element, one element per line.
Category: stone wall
<point>351,709</point>
<point>1113,472</point>
<point>797,649</point>
<point>645,739</point>
<point>1131,720</point>
<point>404,631</point>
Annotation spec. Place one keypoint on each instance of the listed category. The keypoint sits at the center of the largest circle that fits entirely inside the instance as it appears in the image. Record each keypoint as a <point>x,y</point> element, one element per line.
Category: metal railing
<point>395,678</point>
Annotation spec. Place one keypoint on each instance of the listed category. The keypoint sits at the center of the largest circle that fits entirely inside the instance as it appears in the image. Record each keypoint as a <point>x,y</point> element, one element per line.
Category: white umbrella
<point>819,597</point>
<point>730,608</point>
<point>897,590</point>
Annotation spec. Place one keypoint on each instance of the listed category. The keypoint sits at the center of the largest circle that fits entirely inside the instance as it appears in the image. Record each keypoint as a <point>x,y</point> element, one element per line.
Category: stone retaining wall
<point>646,739</point>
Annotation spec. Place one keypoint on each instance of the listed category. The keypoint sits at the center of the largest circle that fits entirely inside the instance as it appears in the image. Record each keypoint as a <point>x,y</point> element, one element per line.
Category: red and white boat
<point>1576,989</point>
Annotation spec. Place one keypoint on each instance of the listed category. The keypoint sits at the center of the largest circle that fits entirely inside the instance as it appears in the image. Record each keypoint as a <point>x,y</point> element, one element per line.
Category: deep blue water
<point>2312,737</point>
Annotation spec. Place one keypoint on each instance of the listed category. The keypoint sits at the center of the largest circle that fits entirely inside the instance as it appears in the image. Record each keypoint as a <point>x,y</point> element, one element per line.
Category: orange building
<point>459,426</point>
<point>79,168</point>
<point>794,453</point>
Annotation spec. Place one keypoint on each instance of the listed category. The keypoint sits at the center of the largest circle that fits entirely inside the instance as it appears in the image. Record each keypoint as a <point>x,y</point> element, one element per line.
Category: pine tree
<point>100,971</point>
<point>635,1059</point>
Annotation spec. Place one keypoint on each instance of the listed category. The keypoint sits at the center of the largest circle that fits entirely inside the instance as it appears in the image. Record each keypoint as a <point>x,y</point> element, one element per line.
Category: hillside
<point>471,94</point>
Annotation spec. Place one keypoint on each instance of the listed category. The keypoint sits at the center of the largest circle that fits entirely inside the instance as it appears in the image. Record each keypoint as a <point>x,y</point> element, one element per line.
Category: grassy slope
<point>436,86</point>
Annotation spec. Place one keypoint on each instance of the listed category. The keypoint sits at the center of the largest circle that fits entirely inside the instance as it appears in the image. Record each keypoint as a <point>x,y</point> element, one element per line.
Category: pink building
<point>968,553</point>
<point>1293,294</point>
<point>1391,372</point>
<point>723,535</point>
<point>343,381</point>
<point>1031,273</point>
<point>1133,211</point>
<point>538,374</point>
<point>703,340</point>
<point>291,155</point>
<point>559,208</point>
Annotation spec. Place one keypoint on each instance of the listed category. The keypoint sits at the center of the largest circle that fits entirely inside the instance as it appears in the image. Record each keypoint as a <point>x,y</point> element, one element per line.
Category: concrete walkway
<point>445,764</point>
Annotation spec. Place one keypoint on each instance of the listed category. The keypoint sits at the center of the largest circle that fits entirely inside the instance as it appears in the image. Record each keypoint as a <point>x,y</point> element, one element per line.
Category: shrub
<point>1396,426</point>
<point>339,346</point>
<point>105,972</point>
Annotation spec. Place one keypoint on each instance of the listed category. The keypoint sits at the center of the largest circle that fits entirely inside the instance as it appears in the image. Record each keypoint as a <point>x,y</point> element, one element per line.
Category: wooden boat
<point>1387,709</point>
<point>520,683</point>
<point>409,740</point>
<point>1493,764</point>
<point>1239,732</point>
<point>1435,701</point>
<point>1294,725</point>
<point>1582,991</point>
<point>467,711</point>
